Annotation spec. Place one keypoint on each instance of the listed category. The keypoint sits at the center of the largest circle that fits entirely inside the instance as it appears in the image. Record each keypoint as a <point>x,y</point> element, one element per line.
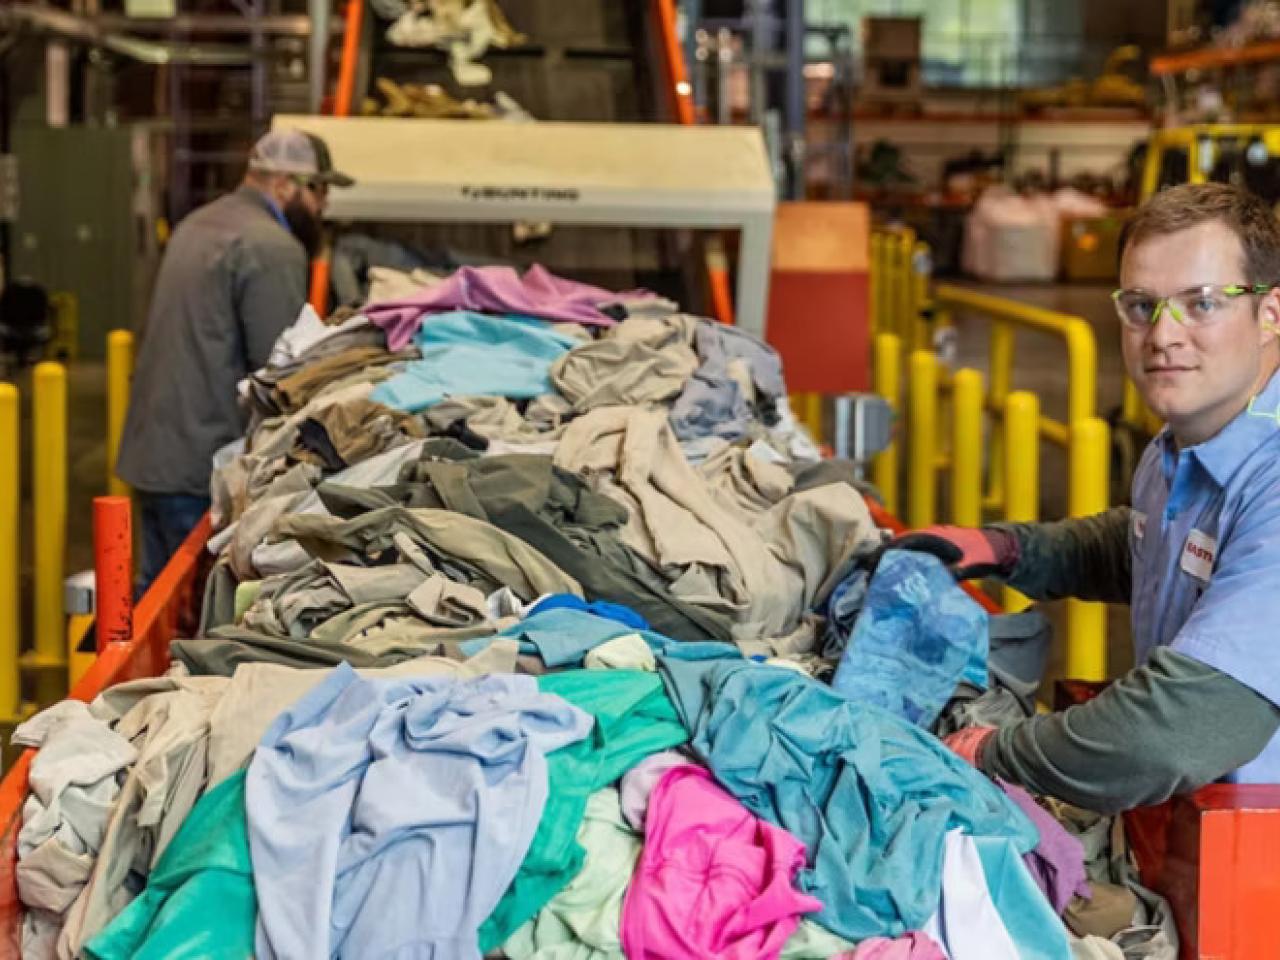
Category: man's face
<point>303,210</point>
<point>1196,377</point>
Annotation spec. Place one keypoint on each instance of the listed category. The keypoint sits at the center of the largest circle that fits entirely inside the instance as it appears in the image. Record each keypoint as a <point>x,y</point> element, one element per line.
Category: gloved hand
<point>970,553</point>
<point>967,744</point>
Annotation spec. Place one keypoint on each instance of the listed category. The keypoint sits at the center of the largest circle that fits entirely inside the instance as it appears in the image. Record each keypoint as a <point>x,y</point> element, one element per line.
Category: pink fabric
<point>913,946</point>
<point>496,290</point>
<point>713,881</point>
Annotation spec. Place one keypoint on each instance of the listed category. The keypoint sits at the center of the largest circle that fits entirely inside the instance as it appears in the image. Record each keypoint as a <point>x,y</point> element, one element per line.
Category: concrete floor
<point>1040,366</point>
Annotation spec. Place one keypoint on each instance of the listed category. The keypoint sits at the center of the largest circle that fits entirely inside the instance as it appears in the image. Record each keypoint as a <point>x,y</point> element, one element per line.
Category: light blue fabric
<point>1035,928</point>
<point>562,636</point>
<point>1228,489</point>
<point>386,817</point>
<point>871,796</point>
<point>919,634</point>
<point>472,354</point>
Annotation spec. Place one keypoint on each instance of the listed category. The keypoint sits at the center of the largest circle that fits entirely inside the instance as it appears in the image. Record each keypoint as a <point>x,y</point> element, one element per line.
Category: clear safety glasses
<point>1195,306</point>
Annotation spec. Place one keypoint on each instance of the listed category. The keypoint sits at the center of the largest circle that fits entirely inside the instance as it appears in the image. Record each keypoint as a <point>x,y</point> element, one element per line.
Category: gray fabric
<point>74,785</point>
<point>231,280</point>
<point>167,720</point>
<point>645,360</point>
<point>491,557</point>
<point>739,375</point>
<point>1185,724</point>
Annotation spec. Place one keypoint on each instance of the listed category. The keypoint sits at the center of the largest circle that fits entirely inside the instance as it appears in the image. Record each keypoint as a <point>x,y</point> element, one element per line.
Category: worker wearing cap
<point>1197,556</point>
<point>233,276</point>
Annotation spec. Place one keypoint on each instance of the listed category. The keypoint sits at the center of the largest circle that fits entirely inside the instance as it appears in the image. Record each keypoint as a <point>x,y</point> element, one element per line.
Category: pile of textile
<point>538,629</point>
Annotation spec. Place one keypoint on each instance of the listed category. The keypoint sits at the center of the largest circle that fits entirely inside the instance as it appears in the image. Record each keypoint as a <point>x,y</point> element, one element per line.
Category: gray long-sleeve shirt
<point>1166,727</point>
<point>232,278</point>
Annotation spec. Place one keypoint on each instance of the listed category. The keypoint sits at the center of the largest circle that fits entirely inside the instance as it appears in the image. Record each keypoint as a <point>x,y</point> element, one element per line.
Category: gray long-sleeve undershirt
<point>1166,727</point>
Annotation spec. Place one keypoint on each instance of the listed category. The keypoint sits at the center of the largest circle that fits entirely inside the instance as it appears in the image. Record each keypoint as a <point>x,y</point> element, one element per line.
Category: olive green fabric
<point>1183,724</point>
<point>1085,557</point>
<point>199,901</point>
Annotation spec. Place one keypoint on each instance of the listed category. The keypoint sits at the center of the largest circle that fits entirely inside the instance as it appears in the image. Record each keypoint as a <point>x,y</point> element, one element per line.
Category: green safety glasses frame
<point>1195,306</point>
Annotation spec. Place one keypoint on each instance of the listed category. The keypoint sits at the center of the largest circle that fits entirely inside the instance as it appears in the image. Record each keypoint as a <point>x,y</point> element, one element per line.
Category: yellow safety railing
<point>119,374</point>
<point>46,662</point>
<point>1017,425</point>
<point>899,286</point>
<point>10,614</point>
<point>49,511</point>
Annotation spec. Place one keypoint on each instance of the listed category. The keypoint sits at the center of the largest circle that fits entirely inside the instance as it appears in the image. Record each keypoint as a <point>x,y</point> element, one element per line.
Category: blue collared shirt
<point>1205,543</point>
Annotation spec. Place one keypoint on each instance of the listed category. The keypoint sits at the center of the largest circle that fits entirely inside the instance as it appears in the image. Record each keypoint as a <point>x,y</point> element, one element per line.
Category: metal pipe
<point>49,497</point>
<point>966,448</point>
<point>1021,471</point>
<point>887,373</point>
<point>922,427</point>
<point>1088,493</point>
<point>10,620</point>
<point>794,107</point>
<point>318,51</point>
<point>119,374</point>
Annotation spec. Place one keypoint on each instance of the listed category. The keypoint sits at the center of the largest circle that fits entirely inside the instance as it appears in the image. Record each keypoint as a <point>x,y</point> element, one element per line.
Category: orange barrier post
<point>350,55</point>
<point>113,569</point>
<point>318,296</point>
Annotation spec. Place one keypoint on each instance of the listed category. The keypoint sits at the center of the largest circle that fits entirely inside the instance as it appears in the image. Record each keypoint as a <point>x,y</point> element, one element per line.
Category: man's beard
<point>304,225</point>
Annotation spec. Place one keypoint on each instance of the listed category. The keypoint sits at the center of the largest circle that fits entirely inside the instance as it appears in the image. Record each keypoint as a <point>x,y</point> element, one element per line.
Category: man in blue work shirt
<point>234,275</point>
<point>1197,556</point>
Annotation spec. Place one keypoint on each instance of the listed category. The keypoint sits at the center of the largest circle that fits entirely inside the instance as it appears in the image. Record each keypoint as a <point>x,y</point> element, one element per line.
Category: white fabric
<point>967,925</point>
<point>74,786</point>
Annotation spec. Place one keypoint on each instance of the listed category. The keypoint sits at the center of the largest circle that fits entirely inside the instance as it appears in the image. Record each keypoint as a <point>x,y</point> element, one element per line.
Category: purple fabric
<point>496,290</point>
<point>1057,862</point>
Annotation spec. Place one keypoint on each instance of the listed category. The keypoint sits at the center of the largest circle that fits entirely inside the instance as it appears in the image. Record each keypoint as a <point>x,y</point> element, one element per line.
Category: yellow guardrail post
<point>1021,471</point>
<point>119,372</point>
<point>49,498</point>
<point>1088,493</point>
<point>10,620</point>
<point>920,271</point>
<point>876,281</point>
<point>922,426</point>
<point>888,384</point>
<point>966,448</point>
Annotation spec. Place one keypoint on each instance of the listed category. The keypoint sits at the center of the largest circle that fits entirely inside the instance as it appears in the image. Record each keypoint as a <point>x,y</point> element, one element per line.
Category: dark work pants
<point>167,518</point>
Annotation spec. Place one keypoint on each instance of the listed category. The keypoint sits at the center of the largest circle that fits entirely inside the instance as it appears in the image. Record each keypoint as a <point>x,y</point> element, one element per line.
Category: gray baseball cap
<point>296,153</point>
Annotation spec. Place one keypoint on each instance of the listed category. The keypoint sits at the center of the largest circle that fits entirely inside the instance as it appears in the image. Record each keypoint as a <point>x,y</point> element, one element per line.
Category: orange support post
<point>113,569</point>
<point>318,296</point>
<point>677,77</point>
<point>350,56</point>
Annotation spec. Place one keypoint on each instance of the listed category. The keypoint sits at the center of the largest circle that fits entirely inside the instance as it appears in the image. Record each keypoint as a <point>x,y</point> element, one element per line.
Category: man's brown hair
<point>1247,215</point>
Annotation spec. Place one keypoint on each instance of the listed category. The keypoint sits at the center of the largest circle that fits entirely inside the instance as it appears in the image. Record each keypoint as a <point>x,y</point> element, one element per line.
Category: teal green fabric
<point>199,901</point>
<point>1027,914</point>
<point>634,718</point>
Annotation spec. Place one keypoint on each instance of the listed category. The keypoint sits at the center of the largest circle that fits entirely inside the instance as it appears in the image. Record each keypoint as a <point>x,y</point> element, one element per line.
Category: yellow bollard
<point>888,374</point>
<point>875,278</point>
<point>119,373</point>
<point>966,448</point>
<point>922,427</point>
<point>10,621</point>
<point>1087,493</point>
<point>807,408</point>
<point>921,271</point>
<point>1021,471</point>
<point>49,486</point>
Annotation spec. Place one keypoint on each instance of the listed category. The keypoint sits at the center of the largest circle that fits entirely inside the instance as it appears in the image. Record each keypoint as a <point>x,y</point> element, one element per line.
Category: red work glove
<point>970,553</point>
<point>967,744</point>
